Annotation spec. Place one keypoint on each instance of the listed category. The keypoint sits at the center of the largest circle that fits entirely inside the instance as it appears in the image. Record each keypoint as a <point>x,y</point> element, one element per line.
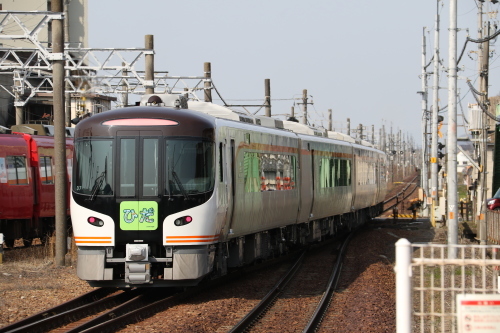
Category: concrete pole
<point>330,120</point>
<point>61,176</point>
<point>304,106</point>
<point>452,189</point>
<point>208,82</point>
<point>435,110</point>
<point>124,87</point>
<point>17,99</point>
<point>67,94</point>
<point>267,97</point>
<point>483,75</point>
<point>424,177</point>
<point>373,134</point>
<point>149,65</point>
<point>349,126</point>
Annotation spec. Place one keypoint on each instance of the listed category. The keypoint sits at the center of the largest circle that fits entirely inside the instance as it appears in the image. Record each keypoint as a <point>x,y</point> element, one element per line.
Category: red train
<point>27,194</point>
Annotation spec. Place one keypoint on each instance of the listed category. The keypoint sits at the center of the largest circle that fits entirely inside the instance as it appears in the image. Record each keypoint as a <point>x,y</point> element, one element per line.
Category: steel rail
<point>92,296</point>
<point>325,301</point>
<point>247,321</point>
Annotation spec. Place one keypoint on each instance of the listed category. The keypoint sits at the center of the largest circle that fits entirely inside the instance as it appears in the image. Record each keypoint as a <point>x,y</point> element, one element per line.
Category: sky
<point>362,59</point>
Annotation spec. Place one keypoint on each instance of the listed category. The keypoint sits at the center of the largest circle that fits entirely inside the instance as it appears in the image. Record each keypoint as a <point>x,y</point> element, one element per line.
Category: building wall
<point>78,12</point>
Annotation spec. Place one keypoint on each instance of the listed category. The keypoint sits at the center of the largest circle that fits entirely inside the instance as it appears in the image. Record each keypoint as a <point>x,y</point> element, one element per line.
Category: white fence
<point>441,288</point>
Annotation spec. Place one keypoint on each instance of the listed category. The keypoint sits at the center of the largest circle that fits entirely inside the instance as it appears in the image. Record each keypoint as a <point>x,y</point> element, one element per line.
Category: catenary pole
<point>267,92</point>
<point>304,106</point>
<point>59,134</point>
<point>451,178</point>
<point>330,120</point>
<point>149,59</point>
<point>208,82</point>
<point>435,110</point>
<point>425,150</point>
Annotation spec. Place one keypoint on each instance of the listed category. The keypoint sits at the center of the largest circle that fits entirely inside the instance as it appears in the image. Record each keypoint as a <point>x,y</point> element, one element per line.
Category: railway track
<point>91,312</point>
<point>268,306</point>
<point>396,200</point>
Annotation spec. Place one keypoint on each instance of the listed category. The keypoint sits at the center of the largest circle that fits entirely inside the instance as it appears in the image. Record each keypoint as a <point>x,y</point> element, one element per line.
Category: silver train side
<point>167,197</point>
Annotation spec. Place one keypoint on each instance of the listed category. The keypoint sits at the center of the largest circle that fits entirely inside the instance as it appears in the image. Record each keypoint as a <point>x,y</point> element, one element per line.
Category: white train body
<point>166,197</point>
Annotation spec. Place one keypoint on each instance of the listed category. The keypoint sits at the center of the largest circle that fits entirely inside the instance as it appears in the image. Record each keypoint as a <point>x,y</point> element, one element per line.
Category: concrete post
<point>330,120</point>
<point>267,98</point>
<point>304,106</point>
<point>61,176</point>
<point>150,65</point>
<point>208,82</point>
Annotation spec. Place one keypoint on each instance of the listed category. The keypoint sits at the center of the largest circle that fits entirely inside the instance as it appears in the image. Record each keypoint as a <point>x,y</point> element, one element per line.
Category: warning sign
<point>478,313</point>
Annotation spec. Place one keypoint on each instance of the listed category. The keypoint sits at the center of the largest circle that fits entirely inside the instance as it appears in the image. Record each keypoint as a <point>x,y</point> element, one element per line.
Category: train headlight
<point>183,220</point>
<point>95,221</point>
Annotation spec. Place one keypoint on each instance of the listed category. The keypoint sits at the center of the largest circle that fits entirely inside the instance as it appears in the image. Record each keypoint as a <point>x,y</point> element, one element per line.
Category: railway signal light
<point>440,153</point>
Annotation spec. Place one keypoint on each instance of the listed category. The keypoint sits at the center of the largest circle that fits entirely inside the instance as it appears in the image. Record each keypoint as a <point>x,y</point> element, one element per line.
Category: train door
<point>231,181</point>
<point>139,158</point>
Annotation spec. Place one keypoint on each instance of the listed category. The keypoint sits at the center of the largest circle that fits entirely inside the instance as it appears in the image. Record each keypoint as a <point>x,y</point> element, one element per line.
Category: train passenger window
<point>150,167</point>
<point>269,172</point>
<point>127,167</point>
<point>46,176</point>
<point>16,170</point>
<point>251,165</point>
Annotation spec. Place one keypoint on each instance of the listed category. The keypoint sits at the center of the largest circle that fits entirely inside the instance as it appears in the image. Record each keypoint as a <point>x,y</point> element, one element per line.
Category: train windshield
<point>189,166</point>
<point>94,167</point>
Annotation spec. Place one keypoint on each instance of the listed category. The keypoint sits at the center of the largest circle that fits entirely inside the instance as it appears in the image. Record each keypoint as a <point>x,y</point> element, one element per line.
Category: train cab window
<point>189,166</point>
<point>16,170</point>
<point>150,167</point>
<point>94,167</point>
<point>127,167</point>
<point>46,176</point>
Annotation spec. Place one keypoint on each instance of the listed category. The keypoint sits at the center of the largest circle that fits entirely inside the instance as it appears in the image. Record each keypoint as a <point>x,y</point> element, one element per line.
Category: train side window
<point>46,176</point>
<point>16,170</point>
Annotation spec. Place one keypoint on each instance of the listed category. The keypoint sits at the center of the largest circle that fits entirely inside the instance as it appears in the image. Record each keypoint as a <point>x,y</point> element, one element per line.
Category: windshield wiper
<point>99,180</point>
<point>179,184</point>
<point>97,186</point>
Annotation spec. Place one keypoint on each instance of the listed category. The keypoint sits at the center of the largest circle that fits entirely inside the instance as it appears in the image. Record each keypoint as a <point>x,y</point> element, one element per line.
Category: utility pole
<point>425,172</point>
<point>484,50</point>
<point>267,97</point>
<point>304,106</point>
<point>208,82</point>
<point>149,65</point>
<point>349,126</point>
<point>452,189</point>
<point>435,110</point>
<point>61,175</point>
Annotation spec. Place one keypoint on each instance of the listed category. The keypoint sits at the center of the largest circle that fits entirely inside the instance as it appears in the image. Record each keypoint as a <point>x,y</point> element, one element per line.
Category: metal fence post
<point>403,286</point>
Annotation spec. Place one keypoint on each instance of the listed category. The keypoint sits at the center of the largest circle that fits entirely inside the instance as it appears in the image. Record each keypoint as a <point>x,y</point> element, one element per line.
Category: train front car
<point>143,179</point>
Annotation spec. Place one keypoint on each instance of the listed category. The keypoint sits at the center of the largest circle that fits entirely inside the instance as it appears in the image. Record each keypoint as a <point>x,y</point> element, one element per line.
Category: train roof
<point>219,111</point>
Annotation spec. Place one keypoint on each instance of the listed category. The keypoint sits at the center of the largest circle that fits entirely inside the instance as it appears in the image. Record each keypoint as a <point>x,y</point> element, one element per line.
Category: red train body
<point>27,194</point>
